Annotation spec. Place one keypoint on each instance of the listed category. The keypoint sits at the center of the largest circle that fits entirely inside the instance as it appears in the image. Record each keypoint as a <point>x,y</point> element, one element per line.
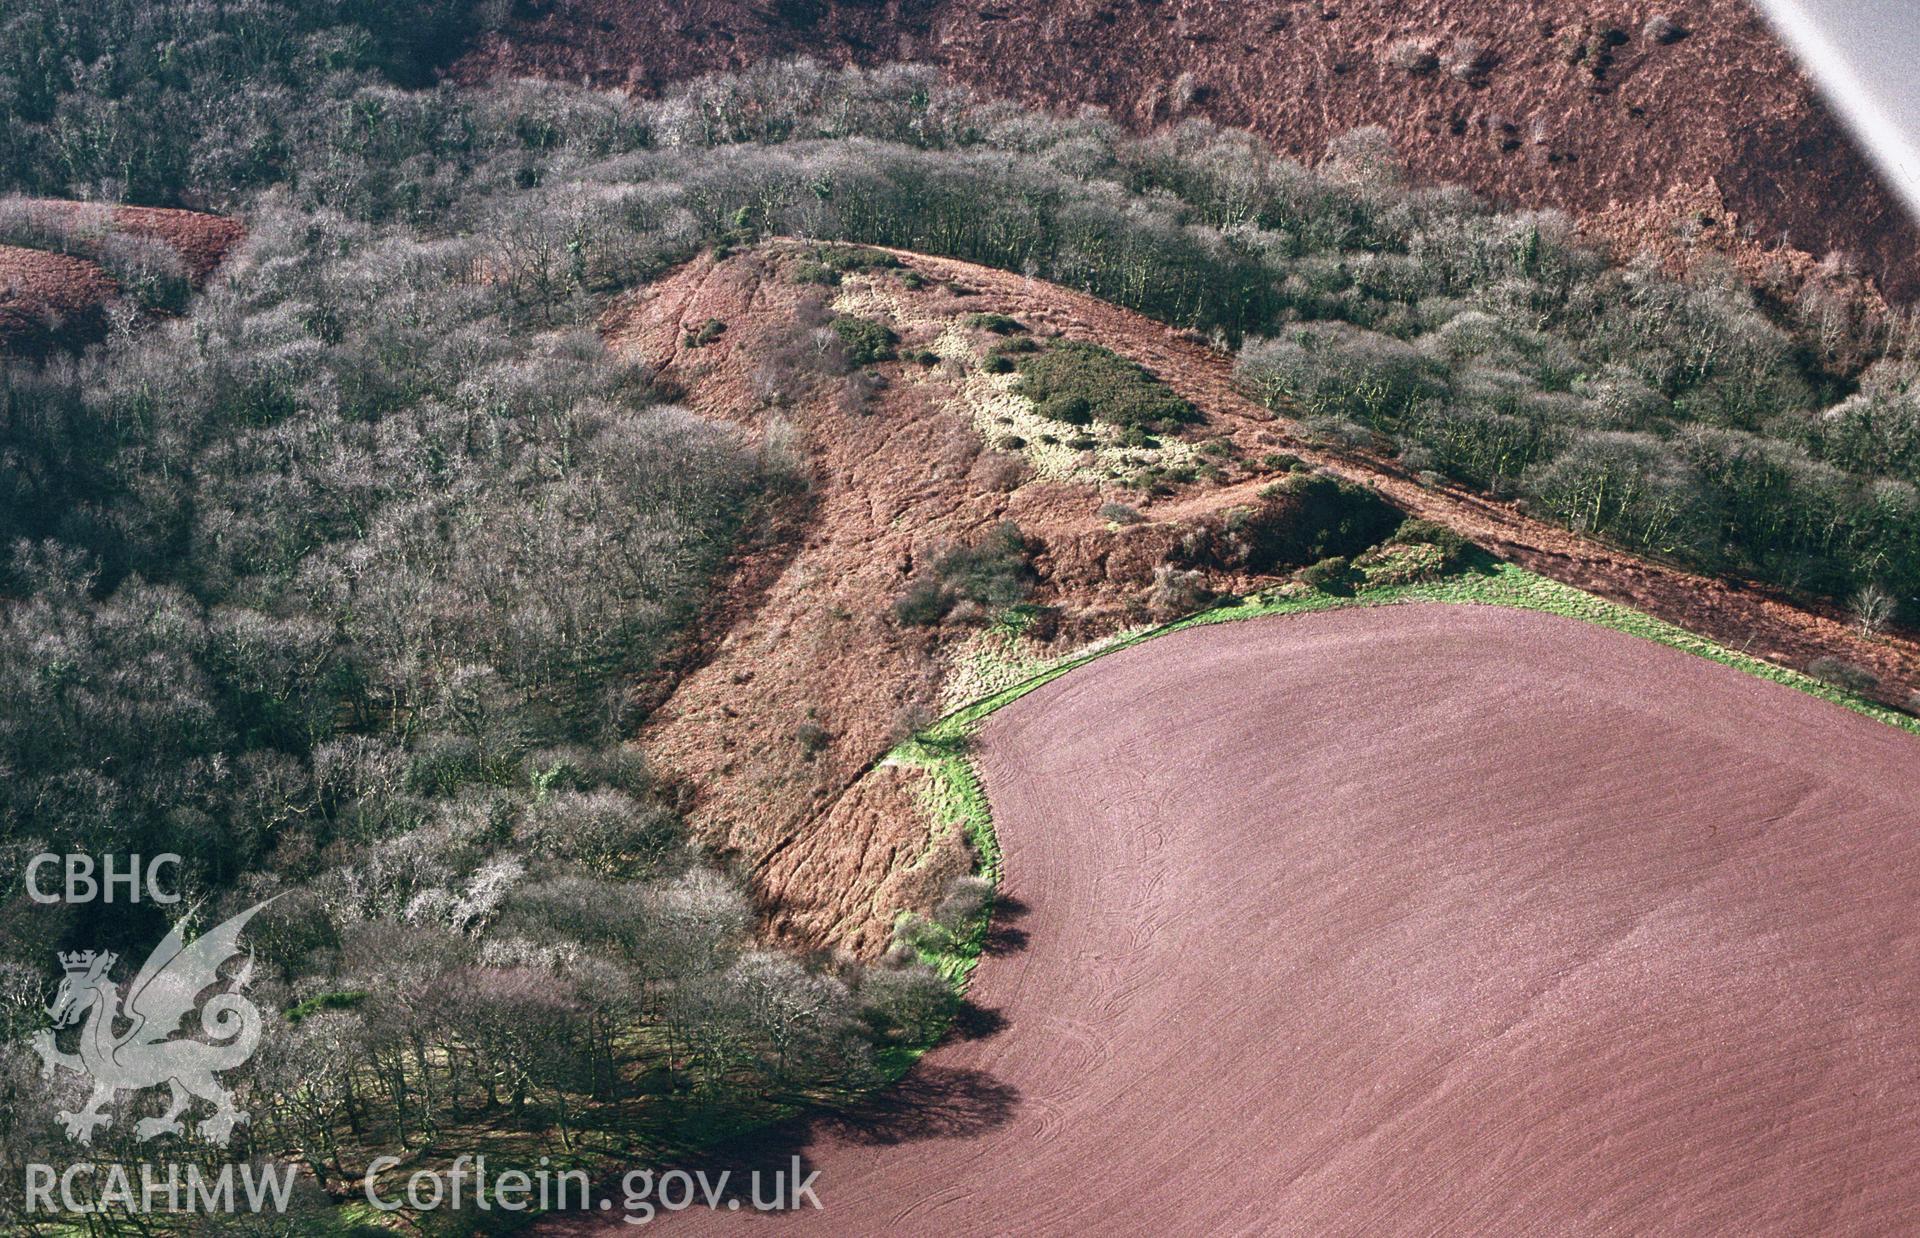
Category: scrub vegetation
<point>1079,383</point>
<point>1682,419</point>
<point>340,584</point>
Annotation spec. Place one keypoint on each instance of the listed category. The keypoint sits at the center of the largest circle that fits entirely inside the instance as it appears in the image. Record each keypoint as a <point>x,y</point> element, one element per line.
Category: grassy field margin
<point>956,799</point>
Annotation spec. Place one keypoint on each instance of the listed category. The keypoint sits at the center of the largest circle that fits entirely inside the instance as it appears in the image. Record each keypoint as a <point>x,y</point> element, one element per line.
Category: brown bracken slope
<point>1709,130</point>
<point>201,240</point>
<point>801,641</point>
<point>50,301</point>
<point>1418,919</point>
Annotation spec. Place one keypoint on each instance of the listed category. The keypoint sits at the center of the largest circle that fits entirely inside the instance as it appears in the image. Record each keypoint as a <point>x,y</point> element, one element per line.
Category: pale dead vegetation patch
<point>995,658</point>
<point>1008,422</point>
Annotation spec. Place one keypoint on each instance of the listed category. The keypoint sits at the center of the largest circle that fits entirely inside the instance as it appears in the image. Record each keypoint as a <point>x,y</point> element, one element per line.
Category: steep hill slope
<point>1694,126</point>
<point>807,675</point>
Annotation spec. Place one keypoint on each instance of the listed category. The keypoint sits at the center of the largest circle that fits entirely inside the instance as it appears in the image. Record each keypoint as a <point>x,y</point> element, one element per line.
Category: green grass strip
<point>956,799</point>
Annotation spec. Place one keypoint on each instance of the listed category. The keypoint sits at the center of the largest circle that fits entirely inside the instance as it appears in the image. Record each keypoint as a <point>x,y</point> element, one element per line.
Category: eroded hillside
<point>814,663</point>
<point>1685,122</point>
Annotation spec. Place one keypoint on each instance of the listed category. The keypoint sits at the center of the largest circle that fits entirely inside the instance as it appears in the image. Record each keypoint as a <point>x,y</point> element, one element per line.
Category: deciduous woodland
<point>337,577</point>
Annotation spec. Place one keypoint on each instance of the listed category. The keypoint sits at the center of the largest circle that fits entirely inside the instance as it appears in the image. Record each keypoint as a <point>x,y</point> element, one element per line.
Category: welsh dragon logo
<point>151,1051</point>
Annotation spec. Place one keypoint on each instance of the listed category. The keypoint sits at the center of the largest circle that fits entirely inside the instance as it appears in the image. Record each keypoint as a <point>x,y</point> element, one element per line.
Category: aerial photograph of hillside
<point>959,617</point>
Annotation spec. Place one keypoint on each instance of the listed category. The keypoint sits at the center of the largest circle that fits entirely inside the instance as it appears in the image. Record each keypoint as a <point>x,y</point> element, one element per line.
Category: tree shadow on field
<point>975,1022</point>
<point>930,1102</point>
<point>1003,936</point>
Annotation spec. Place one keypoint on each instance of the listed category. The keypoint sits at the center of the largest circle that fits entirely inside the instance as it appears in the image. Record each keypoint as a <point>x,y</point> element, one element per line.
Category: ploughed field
<point>1420,918</point>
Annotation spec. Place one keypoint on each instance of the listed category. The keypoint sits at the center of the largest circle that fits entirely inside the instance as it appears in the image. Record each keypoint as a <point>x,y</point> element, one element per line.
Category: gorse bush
<point>865,340</point>
<point>1415,532</point>
<point>1843,674</point>
<point>994,573</point>
<point>706,333</point>
<point>1077,382</point>
<point>854,258</point>
<point>925,603</point>
<point>815,273</point>
<point>1298,520</point>
<point>1331,574</point>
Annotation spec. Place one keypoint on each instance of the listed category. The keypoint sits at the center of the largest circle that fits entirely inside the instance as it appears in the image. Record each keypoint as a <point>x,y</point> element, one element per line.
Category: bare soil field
<point>1421,919</point>
<point>1699,131</point>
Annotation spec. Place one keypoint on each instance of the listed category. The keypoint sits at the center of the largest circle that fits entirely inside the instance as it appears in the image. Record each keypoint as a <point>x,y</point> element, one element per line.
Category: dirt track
<point>1547,930</point>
